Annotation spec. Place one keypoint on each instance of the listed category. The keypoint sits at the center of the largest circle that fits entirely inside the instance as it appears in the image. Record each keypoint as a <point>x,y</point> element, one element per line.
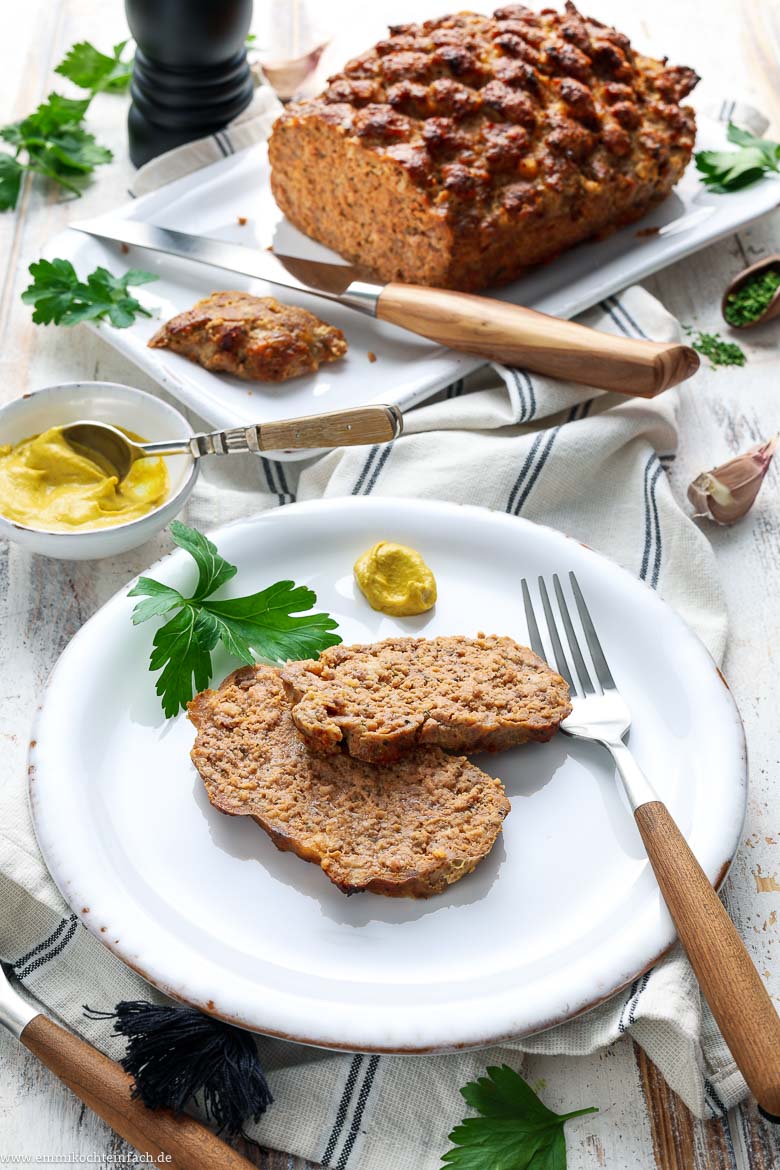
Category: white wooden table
<point>736,49</point>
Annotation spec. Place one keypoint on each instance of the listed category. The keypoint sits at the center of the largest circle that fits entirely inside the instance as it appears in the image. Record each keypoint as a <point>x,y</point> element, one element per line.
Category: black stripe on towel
<point>553,435</point>
<point>49,955</point>
<point>344,1103</point>
<point>361,479</point>
<point>354,1128</point>
<point>47,942</point>
<point>510,507</point>
<point>621,308</point>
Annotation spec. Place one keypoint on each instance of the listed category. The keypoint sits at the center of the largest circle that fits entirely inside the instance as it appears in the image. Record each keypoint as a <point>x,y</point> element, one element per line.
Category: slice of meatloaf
<point>410,829</point>
<point>255,338</point>
<point>465,694</point>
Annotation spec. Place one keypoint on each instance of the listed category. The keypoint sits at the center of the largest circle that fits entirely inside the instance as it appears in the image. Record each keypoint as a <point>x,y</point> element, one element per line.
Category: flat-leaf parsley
<point>730,170</point>
<point>260,626</point>
<point>515,1130</point>
<point>60,298</point>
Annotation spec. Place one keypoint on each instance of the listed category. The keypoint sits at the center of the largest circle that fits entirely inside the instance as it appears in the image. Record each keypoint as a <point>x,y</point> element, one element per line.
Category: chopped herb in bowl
<point>751,300</point>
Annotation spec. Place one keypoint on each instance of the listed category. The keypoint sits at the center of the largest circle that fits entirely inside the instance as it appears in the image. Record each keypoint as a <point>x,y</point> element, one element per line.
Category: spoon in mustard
<point>339,428</point>
<point>770,310</point>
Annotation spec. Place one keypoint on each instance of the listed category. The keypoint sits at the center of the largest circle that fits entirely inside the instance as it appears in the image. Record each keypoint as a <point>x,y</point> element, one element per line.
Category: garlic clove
<point>727,493</point>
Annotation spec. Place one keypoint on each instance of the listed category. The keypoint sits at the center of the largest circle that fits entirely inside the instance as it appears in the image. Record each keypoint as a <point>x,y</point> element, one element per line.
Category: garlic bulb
<point>727,493</point>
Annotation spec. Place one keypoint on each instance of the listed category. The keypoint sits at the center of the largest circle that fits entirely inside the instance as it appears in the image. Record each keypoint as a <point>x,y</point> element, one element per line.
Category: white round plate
<point>562,913</point>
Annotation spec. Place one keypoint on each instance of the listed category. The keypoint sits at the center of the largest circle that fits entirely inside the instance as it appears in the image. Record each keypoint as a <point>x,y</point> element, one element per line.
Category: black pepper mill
<point>191,76</point>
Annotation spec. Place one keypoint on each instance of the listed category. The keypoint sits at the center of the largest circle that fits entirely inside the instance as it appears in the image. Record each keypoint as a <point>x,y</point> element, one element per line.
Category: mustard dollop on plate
<point>48,484</point>
<point>395,580</point>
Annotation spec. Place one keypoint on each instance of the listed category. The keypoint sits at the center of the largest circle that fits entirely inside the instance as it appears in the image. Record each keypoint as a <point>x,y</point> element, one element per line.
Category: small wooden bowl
<point>772,309</point>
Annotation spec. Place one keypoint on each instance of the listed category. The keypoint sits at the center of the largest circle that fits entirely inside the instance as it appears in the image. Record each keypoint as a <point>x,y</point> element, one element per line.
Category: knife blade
<point>333,281</point>
<point>495,330</point>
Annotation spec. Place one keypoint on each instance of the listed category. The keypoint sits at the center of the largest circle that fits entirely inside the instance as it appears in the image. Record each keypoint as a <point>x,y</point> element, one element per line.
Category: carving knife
<point>490,328</point>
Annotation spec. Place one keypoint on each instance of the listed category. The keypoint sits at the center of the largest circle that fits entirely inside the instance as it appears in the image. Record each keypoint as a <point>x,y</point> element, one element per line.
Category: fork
<point>731,985</point>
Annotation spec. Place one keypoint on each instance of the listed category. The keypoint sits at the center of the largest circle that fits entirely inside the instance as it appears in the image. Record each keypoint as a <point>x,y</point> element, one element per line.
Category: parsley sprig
<point>730,170</point>
<point>60,298</point>
<point>52,141</point>
<point>515,1130</point>
<point>92,70</point>
<point>261,625</point>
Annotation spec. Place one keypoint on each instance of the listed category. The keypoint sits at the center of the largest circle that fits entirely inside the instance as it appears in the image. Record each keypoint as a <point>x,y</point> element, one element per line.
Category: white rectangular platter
<point>407,369</point>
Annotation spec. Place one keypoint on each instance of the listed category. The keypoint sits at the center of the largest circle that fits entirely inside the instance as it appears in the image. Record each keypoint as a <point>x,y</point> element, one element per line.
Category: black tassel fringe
<point>175,1052</point>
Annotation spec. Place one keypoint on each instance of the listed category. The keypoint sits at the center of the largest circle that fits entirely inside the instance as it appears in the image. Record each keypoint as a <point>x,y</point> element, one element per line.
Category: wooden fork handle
<point>106,1088</point>
<point>546,345</point>
<point>731,984</point>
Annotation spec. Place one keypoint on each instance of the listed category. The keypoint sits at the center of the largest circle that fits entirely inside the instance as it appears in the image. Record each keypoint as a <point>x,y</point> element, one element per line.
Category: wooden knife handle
<point>340,428</point>
<point>537,342</point>
<point>731,984</point>
<point>106,1088</point>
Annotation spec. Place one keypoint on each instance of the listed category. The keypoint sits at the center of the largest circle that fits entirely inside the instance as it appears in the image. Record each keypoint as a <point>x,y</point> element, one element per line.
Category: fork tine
<point>533,630</point>
<point>560,657</point>
<point>579,662</point>
<point>603,673</point>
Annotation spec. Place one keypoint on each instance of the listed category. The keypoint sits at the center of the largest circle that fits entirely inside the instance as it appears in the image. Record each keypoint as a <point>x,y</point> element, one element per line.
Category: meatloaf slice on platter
<point>255,338</point>
<point>382,699</point>
<point>459,151</point>
<point>408,829</point>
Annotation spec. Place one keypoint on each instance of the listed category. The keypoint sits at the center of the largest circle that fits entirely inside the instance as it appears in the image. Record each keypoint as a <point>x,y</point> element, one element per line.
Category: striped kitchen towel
<point>589,463</point>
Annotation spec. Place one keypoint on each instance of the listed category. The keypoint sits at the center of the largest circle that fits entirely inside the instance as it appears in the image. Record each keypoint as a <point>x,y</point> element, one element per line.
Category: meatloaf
<point>256,338</point>
<point>383,699</point>
<point>410,829</point>
<point>459,151</point>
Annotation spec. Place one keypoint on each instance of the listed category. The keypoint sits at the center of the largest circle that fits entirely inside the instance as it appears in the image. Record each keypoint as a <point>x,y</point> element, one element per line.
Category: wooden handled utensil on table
<point>107,1089</point>
<point>490,328</point>
<point>727,976</point>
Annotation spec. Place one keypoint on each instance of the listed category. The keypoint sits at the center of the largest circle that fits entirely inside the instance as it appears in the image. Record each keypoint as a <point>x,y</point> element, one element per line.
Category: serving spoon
<point>339,428</point>
<point>767,264</point>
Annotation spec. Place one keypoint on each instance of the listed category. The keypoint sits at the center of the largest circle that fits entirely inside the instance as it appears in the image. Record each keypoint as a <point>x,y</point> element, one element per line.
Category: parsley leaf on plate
<point>515,1130</point>
<point>90,69</point>
<point>60,298</point>
<point>731,170</point>
<point>269,625</point>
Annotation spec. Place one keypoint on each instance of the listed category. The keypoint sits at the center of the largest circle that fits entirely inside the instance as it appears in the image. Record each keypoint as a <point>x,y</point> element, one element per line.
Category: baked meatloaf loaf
<point>256,338</point>
<point>383,699</point>
<point>459,151</point>
<point>410,829</point>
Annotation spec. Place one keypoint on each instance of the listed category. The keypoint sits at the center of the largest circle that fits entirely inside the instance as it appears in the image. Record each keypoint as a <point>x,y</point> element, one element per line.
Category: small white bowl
<point>108,402</point>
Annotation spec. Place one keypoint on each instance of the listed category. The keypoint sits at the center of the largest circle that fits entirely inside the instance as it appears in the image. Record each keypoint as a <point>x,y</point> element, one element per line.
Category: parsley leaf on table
<point>731,170</point>
<point>515,1130</point>
<point>269,625</point>
<point>60,298</point>
<point>90,69</point>
<point>11,173</point>
<point>56,144</point>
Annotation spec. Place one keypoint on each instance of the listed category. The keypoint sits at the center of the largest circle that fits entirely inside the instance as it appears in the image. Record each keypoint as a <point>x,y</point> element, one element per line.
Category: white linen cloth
<point>588,463</point>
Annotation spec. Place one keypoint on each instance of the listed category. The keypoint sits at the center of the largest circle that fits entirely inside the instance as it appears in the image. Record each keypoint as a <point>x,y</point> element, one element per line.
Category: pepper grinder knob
<point>191,75</point>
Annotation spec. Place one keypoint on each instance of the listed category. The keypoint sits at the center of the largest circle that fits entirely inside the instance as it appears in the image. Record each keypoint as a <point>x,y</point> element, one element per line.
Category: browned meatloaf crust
<point>410,829</point>
<point>459,151</point>
<point>463,694</point>
<point>256,338</point>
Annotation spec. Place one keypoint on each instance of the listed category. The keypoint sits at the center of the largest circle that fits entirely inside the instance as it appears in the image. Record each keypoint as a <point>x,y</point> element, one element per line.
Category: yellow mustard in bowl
<point>395,580</point>
<point>46,483</point>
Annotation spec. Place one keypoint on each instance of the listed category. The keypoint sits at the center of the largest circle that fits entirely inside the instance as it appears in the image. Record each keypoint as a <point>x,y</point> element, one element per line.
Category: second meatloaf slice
<point>382,699</point>
<point>408,830</point>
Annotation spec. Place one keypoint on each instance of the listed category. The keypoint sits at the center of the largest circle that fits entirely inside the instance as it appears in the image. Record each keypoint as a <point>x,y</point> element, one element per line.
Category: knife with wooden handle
<point>490,328</point>
<point>175,1140</point>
